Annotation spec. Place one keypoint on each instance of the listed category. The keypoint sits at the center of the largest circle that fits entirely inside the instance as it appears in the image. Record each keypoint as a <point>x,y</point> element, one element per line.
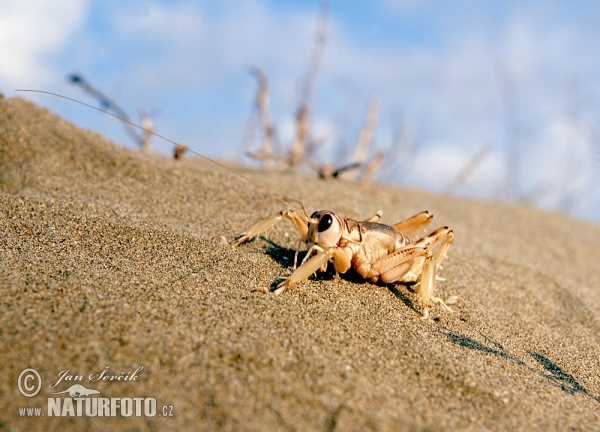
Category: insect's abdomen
<point>381,239</point>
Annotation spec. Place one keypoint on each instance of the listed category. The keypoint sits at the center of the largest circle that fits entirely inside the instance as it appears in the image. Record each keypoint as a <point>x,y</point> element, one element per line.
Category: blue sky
<point>521,77</point>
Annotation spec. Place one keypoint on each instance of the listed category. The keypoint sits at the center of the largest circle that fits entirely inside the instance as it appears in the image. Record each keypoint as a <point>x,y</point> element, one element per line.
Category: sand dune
<point>111,258</point>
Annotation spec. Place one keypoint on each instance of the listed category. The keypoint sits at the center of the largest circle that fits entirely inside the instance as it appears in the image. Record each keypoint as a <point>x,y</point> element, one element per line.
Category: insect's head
<point>324,229</point>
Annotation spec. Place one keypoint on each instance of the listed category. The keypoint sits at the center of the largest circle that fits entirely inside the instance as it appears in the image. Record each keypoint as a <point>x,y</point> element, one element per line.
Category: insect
<point>378,252</point>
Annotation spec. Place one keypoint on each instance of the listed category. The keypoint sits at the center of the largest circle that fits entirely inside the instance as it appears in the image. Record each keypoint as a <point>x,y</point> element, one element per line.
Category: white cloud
<point>189,59</point>
<point>403,5</point>
<point>558,162</point>
<point>157,21</point>
<point>176,45</point>
<point>31,33</point>
<point>438,165</point>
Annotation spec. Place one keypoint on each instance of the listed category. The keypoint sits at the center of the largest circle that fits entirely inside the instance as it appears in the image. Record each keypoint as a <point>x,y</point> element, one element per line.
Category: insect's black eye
<point>325,223</point>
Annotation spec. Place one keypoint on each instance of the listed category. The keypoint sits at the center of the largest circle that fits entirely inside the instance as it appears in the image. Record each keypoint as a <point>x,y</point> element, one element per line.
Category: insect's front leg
<point>341,262</point>
<point>270,222</point>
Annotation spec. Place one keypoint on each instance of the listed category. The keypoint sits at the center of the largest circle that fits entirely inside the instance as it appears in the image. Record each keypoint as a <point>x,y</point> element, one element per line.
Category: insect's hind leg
<point>425,267</point>
<point>401,263</point>
<point>443,235</point>
<point>427,285</point>
<point>414,225</point>
<point>429,267</point>
<point>375,218</point>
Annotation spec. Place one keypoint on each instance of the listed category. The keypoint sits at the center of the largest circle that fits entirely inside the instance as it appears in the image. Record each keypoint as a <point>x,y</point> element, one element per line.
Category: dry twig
<point>468,168</point>
<point>262,105</point>
<point>302,116</point>
<point>142,140</point>
<point>364,138</point>
<point>372,167</point>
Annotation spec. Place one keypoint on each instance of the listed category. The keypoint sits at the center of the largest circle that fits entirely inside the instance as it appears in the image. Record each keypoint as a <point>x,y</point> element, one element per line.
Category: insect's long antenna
<point>225,167</point>
<point>304,210</point>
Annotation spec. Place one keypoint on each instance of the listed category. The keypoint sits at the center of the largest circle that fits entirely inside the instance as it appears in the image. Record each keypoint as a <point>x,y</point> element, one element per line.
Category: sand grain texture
<point>109,257</point>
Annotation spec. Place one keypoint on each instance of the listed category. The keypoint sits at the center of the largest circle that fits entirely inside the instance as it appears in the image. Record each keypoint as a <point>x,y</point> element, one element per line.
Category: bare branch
<point>372,167</point>
<point>179,151</point>
<point>365,136</point>
<point>262,105</point>
<point>297,150</point>
<point>145,138</point>
<point>468,168</point>
<point>141,140</point>
<point>317,53</point>
<point>512,120</point>
<point>269,156</point>
<point>252,125</point>
<point>302,116</point>
<point>327,170</point>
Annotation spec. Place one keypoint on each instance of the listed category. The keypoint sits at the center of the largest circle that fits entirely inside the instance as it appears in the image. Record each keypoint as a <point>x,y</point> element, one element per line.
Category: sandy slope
<point>113,258</point>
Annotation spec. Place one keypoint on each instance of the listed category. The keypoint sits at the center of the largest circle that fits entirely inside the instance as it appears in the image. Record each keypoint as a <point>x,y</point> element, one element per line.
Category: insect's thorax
<point>368,241</point>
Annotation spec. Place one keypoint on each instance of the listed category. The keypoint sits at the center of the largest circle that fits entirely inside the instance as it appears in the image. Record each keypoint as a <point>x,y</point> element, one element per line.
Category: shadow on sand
<point>554,374</point>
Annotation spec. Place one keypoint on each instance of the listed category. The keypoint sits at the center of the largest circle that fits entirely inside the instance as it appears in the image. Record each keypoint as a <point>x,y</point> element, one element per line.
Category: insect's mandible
<point>378,252</point>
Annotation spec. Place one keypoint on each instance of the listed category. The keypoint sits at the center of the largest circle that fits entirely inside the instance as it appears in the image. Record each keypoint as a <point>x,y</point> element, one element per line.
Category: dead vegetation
<point>365,163</point>
<point>141,136</point>
<point>303,146</point>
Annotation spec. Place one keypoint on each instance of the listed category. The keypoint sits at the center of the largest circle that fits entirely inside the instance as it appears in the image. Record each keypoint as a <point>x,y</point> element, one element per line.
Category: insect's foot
<point>262,290</point>
<point>454,300</point>
<point>411,277</point>
<point>281,287</point>
<point>440,302</point>
<point>444,304</point>
<point>244,237</point>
